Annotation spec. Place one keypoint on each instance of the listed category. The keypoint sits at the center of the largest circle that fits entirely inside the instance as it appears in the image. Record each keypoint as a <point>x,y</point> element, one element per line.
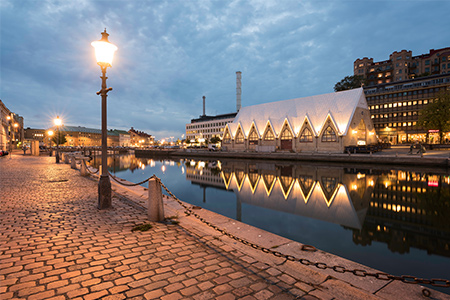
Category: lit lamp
<point>58,123</point>
<point>10,138</point>
<point>104,53</point>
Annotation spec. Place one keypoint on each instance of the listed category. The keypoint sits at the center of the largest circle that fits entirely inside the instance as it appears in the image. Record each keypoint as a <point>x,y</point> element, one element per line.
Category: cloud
<point>171,53</point>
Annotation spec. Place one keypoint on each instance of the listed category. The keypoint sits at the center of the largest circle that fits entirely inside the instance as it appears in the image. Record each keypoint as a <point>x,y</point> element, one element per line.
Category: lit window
<point>306,135</point>
<point>286,133</point>
<point>390,105</point>
<point>329,135</point>
<point>227,138</point>
<point>268,135</point>
<point>239,139</point>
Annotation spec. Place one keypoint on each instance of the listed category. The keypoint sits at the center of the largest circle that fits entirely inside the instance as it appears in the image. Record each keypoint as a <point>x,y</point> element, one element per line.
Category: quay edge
<point>423,161</point>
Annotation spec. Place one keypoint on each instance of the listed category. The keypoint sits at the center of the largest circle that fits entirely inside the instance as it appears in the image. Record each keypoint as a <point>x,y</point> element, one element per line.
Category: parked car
<point>3,152</point>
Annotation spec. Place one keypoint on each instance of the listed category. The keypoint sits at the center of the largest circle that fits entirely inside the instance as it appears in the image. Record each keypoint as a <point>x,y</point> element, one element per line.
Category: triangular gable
<point>286,184</point>
<point>239,126</point>
<point>306,184</point>
<point>269,123</point>
<point>228,128</point>
<point>286,121</point>
<point>239,176</point>
<point>329,187</point>
<point>310,125</point>
<point>362,103</point>
<point>253,125</point>
<point>226,176</point>
<point>253,179</point>
<point>269,182</point>
<point>324,125</point>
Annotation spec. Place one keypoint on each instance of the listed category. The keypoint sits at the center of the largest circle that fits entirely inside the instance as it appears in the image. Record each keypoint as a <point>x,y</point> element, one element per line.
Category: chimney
<point>238,91</point>
<point>204,106</point>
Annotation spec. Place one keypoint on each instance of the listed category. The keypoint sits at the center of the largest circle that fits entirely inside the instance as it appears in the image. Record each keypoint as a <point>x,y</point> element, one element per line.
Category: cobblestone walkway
<point>55,244</point>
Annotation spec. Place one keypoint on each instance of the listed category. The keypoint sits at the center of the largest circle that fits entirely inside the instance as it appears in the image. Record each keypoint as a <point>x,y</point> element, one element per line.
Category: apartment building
<point>207,127</point>
<point>395,108</point>
<point>402,65</point>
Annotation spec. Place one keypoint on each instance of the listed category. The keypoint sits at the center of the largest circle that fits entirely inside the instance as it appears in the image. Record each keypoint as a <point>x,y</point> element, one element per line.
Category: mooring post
<point>73,163</point>
<point>155,209</point>
<point>83,169</point>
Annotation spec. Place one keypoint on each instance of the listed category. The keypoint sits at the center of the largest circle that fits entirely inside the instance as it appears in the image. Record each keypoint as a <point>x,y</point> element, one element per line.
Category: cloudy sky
<point>173,52</point>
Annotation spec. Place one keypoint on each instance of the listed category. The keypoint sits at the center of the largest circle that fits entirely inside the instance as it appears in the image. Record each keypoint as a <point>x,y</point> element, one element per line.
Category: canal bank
<point>395,156</point>
<point>58,244</point>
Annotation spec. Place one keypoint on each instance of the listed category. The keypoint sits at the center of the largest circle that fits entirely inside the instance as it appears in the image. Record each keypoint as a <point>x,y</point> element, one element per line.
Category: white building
<point>207,127</point>
<point>322,123</point>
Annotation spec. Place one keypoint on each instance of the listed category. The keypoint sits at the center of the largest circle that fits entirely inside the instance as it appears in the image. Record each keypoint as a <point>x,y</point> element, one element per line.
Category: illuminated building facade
<point>140,138</point>
<point>207,127</point>
<point>395,108</point>
<point>323,123</point>
<point>78,136</point>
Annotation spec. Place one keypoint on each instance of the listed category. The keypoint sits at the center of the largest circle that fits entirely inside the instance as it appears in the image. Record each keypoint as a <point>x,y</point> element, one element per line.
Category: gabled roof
<point>340,106</point>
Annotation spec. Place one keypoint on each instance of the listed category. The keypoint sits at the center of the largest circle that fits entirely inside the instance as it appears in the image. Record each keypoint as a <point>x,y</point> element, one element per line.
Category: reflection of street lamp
<point>57,122</point>
<point>49,135</point>
<point>104,53</point>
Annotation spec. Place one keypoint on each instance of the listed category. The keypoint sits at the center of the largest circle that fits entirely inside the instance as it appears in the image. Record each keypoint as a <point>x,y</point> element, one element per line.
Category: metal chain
<point>129,184</point>
<point>323,266</point>
<point>88,168</point>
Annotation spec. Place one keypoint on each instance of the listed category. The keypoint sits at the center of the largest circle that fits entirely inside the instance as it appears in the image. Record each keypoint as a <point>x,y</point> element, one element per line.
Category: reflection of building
<point>321,193</point>
<point>395,108</point>
<point>401,209</point>
<point>325,123</point>
<point>402,65</point>
<point>409,209</point>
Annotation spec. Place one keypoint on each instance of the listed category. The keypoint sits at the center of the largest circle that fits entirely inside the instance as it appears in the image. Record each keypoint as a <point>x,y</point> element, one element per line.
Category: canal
<point>396,220</point>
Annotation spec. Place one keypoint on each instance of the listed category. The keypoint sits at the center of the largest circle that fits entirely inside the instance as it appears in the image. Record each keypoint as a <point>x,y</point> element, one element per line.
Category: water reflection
<point>400,208</point>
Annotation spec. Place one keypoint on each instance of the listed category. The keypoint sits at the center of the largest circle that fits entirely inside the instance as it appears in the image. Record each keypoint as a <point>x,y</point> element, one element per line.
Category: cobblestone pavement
<point>55,244</point>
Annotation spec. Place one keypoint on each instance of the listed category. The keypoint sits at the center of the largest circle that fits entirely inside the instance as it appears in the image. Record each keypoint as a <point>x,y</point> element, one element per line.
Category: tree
<point>59,136</point>
<point>215,140</point>
<point>436,115</point>
<point>349,82</point>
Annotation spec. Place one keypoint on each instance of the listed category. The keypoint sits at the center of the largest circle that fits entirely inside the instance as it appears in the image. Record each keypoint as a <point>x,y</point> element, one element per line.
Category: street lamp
<point>50,134</point>
<point>104,53</point>
<point>57,122</point>
<point>10,137</point>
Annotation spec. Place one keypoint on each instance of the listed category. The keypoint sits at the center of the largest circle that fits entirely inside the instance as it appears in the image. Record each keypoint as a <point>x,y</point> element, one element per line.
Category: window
<point>253,137</point>
<point>227,138</point>
<point>306,136</point>
<point>268,135</point>
<point>329,135</point>
<point>286,133</point>
<point>239,139</point>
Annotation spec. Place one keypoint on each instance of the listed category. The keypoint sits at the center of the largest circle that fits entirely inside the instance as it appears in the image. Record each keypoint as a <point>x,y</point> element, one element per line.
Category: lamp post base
<point>104,192</point>
<point>57,157</point>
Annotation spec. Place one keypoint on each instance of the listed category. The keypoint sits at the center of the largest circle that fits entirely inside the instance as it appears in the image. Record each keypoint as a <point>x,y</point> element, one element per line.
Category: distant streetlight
<point>10,137</point>
<point>58,123</point>
<point>104,53</point>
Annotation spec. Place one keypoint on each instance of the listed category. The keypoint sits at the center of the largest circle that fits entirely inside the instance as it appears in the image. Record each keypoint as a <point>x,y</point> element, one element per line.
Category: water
<point>396,221</point>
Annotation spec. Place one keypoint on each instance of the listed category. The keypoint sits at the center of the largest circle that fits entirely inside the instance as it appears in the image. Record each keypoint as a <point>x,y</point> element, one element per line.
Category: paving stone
<point>57,245</point>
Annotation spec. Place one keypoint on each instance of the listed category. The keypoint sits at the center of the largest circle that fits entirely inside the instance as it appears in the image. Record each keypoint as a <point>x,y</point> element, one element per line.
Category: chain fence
<point>444,283</point>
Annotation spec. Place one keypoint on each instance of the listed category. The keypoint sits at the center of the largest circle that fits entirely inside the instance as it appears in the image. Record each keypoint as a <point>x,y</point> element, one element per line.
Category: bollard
<point>73,163</point>
<point>83,169</point>
<point>155,209</point>
<point>66,158</point>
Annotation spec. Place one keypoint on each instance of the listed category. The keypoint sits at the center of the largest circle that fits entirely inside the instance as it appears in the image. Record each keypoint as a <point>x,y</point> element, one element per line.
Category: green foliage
<point>436,115</point>
<point>215,139</point>
<point>142,227</point>
<point>59,136</point>
<point>349,82</point>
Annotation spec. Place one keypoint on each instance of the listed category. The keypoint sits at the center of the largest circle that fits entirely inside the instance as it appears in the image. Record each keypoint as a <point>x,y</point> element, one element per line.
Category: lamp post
<point>104,53</point>
<point>58,135</point>
<point>10,137</point>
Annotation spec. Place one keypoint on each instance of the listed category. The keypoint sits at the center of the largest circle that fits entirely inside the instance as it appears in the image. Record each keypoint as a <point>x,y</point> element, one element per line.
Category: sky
<point>171,53</point>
